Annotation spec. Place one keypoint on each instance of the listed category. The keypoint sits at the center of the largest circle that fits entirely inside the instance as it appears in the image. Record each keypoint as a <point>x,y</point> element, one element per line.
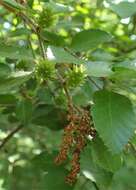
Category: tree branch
<point>63,83</point>
<point>34,27</point>
<point>95,185</point>
<point>133,148</point>
<point>41,45</point>
<point>97,86</point>
<point>10,135</point>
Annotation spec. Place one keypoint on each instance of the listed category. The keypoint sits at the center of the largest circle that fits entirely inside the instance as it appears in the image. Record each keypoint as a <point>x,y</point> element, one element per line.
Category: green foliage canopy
<point>55,53</point>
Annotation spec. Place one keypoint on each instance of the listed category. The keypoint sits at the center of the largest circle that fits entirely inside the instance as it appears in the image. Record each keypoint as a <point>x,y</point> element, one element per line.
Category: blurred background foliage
<point>26,161</point>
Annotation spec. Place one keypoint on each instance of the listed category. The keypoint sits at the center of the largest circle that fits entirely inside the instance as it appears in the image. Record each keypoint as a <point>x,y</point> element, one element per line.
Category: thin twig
<point>10,135</point>
<point>31,47</point>
<point>63,83</point>
<point>28,21</point>
<point>94,83</point>
<point>43,53</point>
<point>34,27</point>
<point>133,148</point>
<point>69,97</point>
<point>29,42</point>
<point>37,31</point>
<point>95,185</point>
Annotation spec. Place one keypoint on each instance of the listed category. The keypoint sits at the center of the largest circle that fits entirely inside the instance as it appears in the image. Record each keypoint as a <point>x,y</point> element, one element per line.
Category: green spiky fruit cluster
<point>45,70</point>
<point>47,18</point>
<point>76,76</point>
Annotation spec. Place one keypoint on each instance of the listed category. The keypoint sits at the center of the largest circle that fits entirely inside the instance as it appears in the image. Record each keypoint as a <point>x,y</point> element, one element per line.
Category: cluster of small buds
<point>68,138</point>
<point>75,168</point>
<point>85,128</point>
<point>66,145</point>
<point>75,134</point>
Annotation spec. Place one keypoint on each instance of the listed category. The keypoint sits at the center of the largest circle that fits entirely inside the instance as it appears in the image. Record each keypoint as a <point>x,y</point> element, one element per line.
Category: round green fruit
<point>45,70</point>
<point>47,18</point>
<point>76,76</point>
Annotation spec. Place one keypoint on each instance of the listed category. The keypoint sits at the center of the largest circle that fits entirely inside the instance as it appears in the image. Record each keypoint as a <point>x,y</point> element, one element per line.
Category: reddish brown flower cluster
<point>75,168</point>
<point>68,138</point>
<point>75,134</point>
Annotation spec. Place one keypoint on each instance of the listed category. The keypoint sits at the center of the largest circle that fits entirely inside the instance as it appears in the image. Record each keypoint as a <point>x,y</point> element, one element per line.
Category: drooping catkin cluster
<point>68,137</point>
<point>75,138</point>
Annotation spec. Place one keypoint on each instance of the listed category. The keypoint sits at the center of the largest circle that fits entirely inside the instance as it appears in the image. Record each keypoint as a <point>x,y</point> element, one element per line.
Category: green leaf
<point>84,184</point>
<point>5,70</point>
<point>103,157</point>
<point>15,52</point>
<point>39,173</point>
<point>125,73</point>
<point>114,119</point>
<point>83,95</point>
<point>13,81</point>
<point>102,55</point>
<point>59,8</point>
<point>88,39</point>
<point>19,32</point>
<point>49,116</point>
<point>124,179</point>
<point>7,99</point>
<point>53,38</point>
<point>98,69</point>
<point>126,65</point>
<point>62,56</point>
<point>124,9</point>
<point>99,3</point>
<point>44,95</point>
<point>92,171</point>
<point>24,111</point>
<point>44,163</point>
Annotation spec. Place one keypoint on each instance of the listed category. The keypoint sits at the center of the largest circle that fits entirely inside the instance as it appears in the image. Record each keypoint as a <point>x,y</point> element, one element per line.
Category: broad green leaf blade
<point>45,95</point>
<point>124,75</point>
<point>5,70</point>
<point>127,64</point>
<point>84,184</point>
<point>88,39</point>
<point>92,171</point>
<point>99,3</point>
<point>98,69</point>
<point>114,119</point>
<point>15,52</point>
<point>53,38</point>
<point>39,173</point>
<point>44,164</point>
<point>125,178</point>
<point>103,157</point>
<point>58,7</point>
<point>83,95</point>
<point>102,55</point>
<point>19,32</point>
<point>24,111</point>
<point>50,116</point>
<point>61,56</point>
<point>13,81</point>
<point>124,9</point>
<point>7,99</point>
